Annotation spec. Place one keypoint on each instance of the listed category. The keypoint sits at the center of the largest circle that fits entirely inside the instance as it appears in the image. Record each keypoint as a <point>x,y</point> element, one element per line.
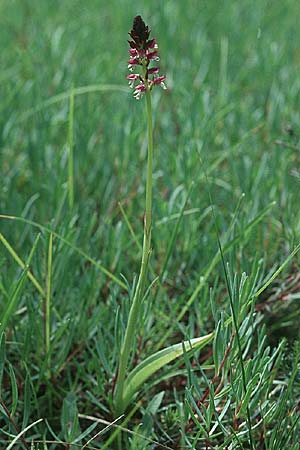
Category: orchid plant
<point>143,51</point>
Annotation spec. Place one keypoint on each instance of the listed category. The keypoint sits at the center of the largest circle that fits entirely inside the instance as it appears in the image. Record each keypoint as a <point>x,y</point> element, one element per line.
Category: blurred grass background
<point>233,92</point>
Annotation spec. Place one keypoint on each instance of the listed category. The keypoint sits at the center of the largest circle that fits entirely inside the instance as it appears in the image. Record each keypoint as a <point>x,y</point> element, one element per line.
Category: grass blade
<point>17,438</point>
<point>48,299</point>
<point>10,307</point>
<point>21,264</point>
<point>71,148</point>
<point>77,91</point>
<point>69,244</point>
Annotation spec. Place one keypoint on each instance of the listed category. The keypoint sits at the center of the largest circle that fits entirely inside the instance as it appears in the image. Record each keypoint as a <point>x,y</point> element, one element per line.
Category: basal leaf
<point>153,363</point>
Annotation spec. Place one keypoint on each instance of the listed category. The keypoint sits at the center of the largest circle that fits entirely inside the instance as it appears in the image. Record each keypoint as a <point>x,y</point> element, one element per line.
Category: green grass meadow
<point>225,229</point>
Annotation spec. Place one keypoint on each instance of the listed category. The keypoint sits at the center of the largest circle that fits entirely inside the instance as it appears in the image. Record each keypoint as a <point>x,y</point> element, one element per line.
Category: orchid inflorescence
<point>142,51</point>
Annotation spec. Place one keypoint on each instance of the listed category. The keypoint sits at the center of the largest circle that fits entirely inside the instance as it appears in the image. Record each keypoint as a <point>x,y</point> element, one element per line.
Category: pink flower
<point>160,81</point>
<point>142,51</point>
<point>153,70</point>
<point>139,90</point>
<point>152,55</point>
<point>133,52</point>
<point>132,78</point>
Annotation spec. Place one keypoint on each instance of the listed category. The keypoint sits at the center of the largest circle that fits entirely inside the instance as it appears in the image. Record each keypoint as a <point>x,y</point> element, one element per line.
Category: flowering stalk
<point>142,52</point>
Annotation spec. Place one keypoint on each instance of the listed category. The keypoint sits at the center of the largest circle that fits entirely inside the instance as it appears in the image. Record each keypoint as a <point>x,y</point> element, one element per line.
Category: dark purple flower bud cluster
<point>142,51</point>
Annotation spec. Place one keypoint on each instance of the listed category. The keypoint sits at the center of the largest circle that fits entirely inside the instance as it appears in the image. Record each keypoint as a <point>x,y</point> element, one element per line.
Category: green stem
<point>140,288</point>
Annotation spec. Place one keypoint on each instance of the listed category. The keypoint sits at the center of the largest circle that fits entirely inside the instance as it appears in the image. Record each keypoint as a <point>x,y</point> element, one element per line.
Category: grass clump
<point>223,229</point>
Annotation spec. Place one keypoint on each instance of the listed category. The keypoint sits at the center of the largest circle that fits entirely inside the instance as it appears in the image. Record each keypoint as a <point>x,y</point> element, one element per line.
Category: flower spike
<point>142,51</point>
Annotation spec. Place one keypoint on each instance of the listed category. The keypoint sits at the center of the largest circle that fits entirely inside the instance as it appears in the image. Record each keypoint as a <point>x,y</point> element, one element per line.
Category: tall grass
<point>70,254</point>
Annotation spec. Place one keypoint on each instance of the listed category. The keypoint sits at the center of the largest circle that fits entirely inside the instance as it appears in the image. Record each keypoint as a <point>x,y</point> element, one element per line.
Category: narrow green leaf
<point>173,236</point>
<point>21,264</point>
<point>69,244</point>
<point>48,298</point>
<point>246,400</point>
<point>10,307</point>
<point>69,418</point>
<point>17,438</point>
<point>70,149</point>
<point>218,347</point>
<point>153,363</point>
<point>27,400</point>
<point>77,91</point>
<point>155,403</point>
<point>130,227</point>
<point>151,411</point>
<point>196,440</point>
<point>120,427</point>
<point>2,358</point>
<point>14,390</point>
<point>203,279</point>
<point>277,272</point>
<point>85,433</point>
